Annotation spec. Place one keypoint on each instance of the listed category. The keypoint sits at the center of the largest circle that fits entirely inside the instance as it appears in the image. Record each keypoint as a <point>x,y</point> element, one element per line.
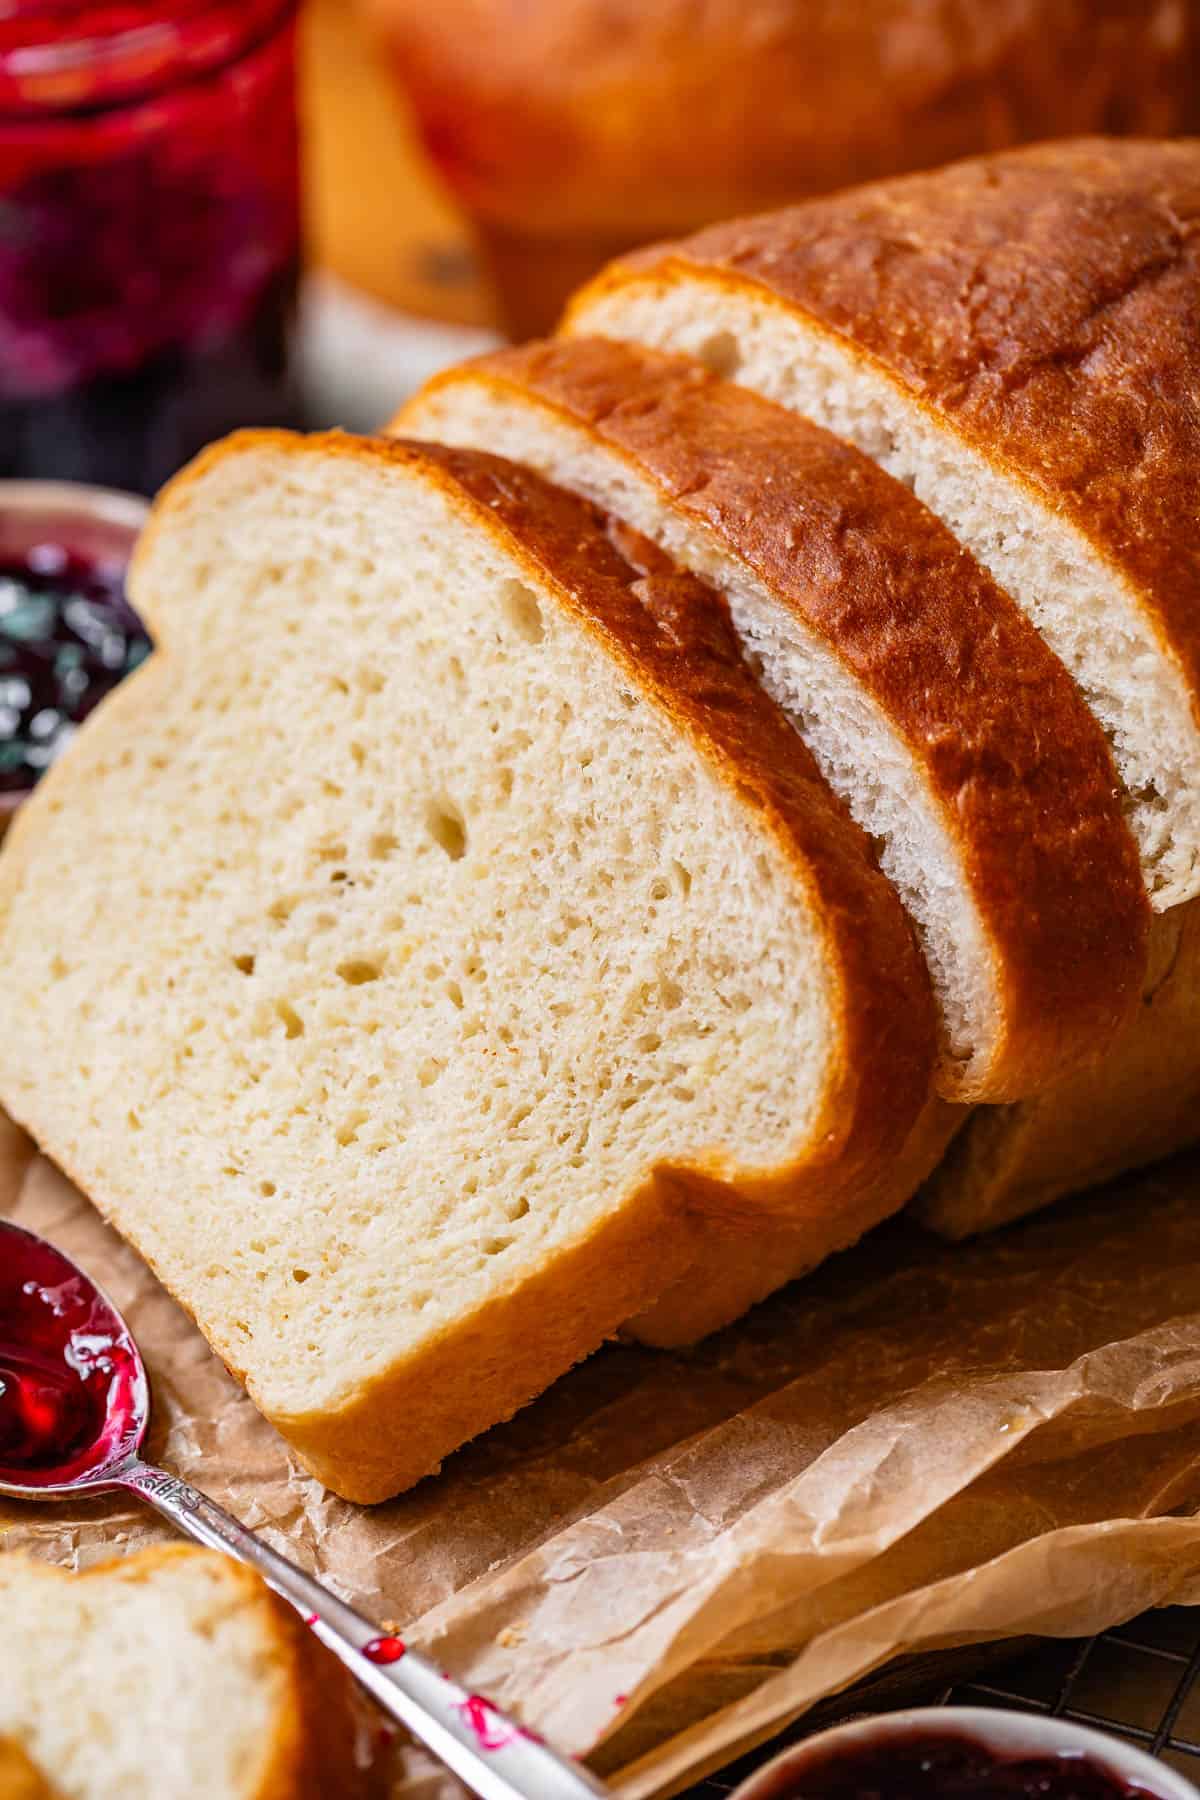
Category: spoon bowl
<point>74,1398</point>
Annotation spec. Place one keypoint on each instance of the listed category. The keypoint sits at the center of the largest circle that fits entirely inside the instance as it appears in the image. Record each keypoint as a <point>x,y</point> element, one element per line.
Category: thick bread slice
<point>1139,1102</point>
<point>931,704</point>
<point>459,924</point>
<point>172,1672</point>
<point>1016,338</point>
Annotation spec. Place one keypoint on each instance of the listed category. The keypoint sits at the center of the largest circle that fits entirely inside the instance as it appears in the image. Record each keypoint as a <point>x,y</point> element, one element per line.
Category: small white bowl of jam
<point>67,633</point>
<point>964,1753</point>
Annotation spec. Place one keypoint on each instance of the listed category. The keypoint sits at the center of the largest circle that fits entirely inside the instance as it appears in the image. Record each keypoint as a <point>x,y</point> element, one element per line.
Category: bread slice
<point>174,1671</point>
<point>933,708</point>
<point>1015,338</point>
<point>460,926</point>
<point>1137,1103</point>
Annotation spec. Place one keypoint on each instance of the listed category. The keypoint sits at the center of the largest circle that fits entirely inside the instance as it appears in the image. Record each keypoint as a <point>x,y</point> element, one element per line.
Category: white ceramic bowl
<point>102,523</point>
<point>1010,1735</point>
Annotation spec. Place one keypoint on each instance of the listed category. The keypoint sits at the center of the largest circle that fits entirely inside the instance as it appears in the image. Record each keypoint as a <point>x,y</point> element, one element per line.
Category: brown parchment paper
<point>669,1556</point>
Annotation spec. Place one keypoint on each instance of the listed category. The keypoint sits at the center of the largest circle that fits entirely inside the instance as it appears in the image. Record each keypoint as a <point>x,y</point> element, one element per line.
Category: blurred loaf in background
<point>569,130</point>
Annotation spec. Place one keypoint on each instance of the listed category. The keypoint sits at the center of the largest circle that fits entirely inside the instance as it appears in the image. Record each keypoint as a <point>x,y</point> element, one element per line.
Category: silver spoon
<point>74,1410</point>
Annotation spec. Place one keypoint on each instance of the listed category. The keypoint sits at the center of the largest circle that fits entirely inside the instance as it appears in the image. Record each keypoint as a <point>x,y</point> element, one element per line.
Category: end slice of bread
<point>1015,338</point>
<point>174,1671</point>
<point>932,706</point>
<point>460,928</point>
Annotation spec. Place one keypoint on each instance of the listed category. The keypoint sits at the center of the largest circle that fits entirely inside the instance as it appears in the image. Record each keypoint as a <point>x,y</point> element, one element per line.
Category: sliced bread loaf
<point>1138,1102</point>
<point>460,925</point>
<point>1015,338</point>
<point>172,1672</point>
<point>932,706</point>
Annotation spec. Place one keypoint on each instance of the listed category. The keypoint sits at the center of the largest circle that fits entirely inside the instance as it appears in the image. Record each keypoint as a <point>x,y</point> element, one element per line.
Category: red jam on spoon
<point>71,1381</point>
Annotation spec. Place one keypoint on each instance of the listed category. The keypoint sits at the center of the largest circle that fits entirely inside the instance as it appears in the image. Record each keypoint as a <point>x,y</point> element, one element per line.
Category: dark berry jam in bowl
<point>149,231</point>
<point>67,633</point>
<point>73,1394</point>
<point>964,1753</point>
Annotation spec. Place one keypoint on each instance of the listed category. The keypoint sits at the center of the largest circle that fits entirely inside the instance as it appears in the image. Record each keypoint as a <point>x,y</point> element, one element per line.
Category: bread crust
<point>311,1751</point>
<point>671,637</point>
<point>673,114</point>
<point>1043,304</point>
<point>1016,766</point>
<point>1136,1104</point>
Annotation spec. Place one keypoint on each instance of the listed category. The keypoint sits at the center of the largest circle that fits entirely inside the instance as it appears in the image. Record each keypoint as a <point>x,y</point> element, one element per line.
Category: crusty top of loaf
<point>671,114</point>
<point>673,635</point>
<point>1011,755</point>
<point>1045,302</point>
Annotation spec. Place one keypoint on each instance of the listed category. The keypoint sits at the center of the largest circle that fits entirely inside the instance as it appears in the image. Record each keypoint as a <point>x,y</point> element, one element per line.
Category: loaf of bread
<point>171,1672</point>
<point>462,936</point>
<point>572,129</point>
<point>954,736</point>
<point>1015,338</point>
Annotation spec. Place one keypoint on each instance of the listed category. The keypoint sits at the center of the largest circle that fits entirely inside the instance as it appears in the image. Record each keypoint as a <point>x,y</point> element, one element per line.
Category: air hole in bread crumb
<point>266,1188</point>
<point>370,680</point>
<point>245,964</point>
<point>382,845</point>
<point>649,1042</point>
<point>517,1209</point>
<point>358,755</point>
<point>519,605</point>
<point>356,971</point>
<point>659,889</point>
<point>133,1122</point>
<point>447,828</point>
<point>454,994</point>
<point>494,1246</point>
<point>300,1275</point>
<point>428,1070</point>
<point>683,878</point>
<point>293,1023</point>
<point>348,1130</point>
<point>721,355</point>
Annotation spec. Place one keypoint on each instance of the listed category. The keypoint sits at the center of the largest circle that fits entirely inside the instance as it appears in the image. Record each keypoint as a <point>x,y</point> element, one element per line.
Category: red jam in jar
<point>149,231</point>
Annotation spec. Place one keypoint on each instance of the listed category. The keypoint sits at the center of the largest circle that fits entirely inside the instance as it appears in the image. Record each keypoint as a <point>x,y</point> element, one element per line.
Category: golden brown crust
<point>311,1753</point>
<point>1012,758</point>
<point>1043,303</point>
<point>20,1778</point>
<point>671,114</point>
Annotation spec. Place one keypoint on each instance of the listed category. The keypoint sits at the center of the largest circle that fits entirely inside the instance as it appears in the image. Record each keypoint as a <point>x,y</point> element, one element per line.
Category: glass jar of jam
<point>149,231</point>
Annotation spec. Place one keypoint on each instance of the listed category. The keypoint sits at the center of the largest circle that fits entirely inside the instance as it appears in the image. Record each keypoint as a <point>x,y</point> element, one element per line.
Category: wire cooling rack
<point>1140,1681</point>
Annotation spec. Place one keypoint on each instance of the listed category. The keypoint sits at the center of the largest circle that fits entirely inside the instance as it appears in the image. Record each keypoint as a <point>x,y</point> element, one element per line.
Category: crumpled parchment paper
<point>670,1556</point>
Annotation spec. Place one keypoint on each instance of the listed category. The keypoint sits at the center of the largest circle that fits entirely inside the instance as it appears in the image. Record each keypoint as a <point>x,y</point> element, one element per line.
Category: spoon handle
<point>494,1755</point>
